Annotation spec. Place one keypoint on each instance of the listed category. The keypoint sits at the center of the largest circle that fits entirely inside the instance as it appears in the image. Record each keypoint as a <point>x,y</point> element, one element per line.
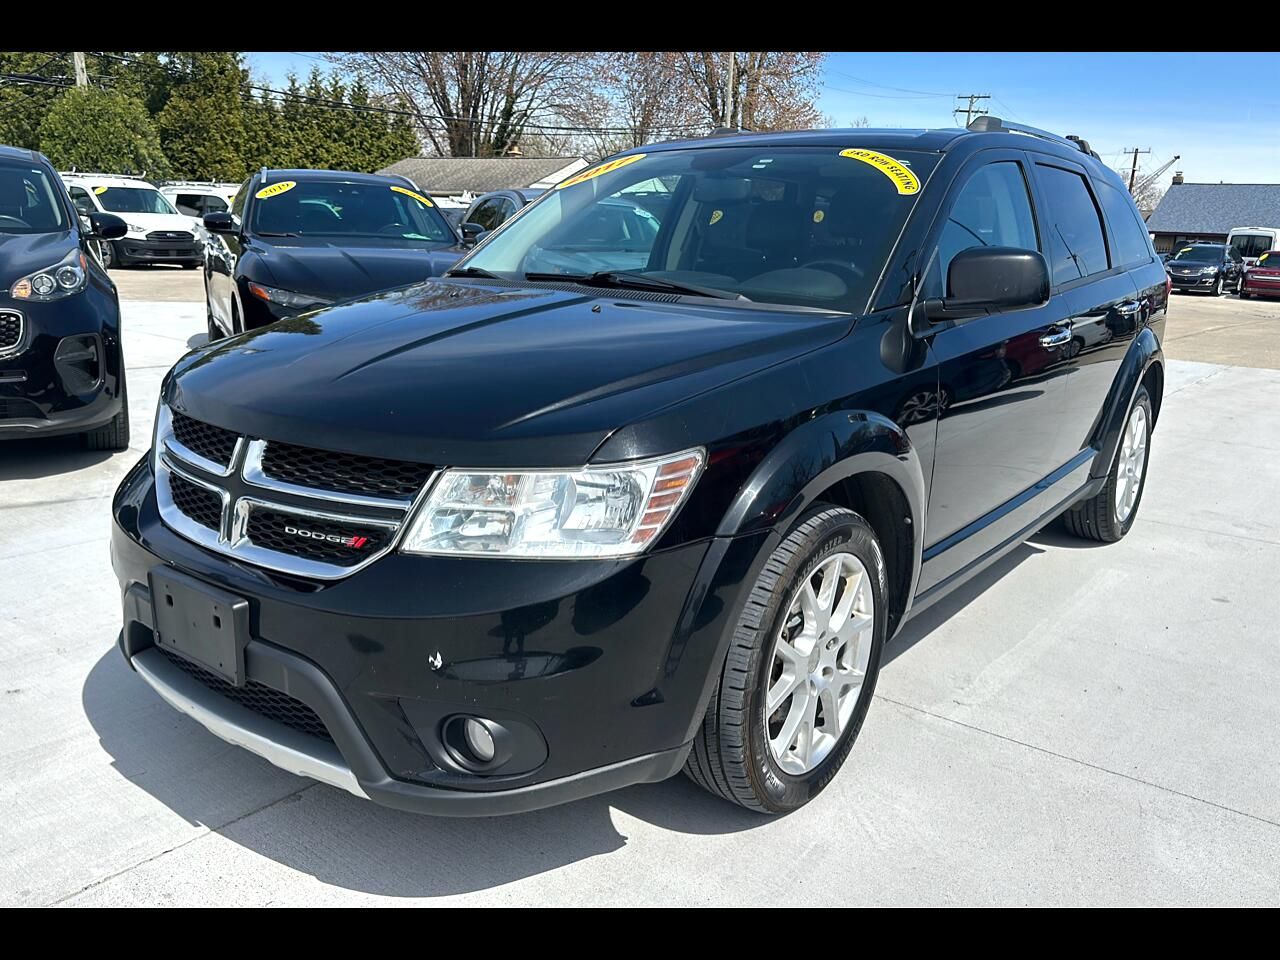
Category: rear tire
<point>1108,516</point>
<point>752,760</point>
<point>115,434</point>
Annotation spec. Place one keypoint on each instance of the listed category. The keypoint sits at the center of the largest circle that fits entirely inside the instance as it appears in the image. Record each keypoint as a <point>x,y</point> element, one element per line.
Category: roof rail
<point>990,124</point>
<point>728,131</point>
<point>94,173</point>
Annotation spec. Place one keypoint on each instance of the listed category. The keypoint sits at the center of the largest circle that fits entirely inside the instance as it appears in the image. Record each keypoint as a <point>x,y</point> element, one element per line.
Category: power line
<point>883,86</point>
<point>970,110</point>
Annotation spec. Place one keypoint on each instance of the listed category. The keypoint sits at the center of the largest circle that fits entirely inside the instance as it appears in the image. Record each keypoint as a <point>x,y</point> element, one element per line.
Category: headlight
<point>595,512</point>
<point>287,298</point>
<point>1206,271</point>
<point>64,278</point>
<point>134,228</point>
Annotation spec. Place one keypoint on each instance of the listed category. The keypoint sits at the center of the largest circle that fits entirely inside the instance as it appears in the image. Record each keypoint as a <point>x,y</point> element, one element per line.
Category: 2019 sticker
<point>903,179</point>
<point>284,186</point>
<point>100,190</point>
<point>604,168</point>
<point>819,216</point>
<point>716,216</point>
<point>417,196</point>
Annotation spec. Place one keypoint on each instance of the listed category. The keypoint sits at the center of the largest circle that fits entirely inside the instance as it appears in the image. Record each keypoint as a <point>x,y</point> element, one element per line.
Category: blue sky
<point>1200,105</point>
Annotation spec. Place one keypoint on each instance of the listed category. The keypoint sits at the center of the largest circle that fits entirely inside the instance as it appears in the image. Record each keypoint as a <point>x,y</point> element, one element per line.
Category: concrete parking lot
<point>1083,724</point>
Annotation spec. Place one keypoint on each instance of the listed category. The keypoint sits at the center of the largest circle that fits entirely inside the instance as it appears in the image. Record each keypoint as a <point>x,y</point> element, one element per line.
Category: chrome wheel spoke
<point>1130,463</point>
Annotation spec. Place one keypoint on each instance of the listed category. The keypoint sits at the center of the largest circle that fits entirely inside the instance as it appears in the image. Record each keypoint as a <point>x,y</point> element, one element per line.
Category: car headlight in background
<point>287,298</point>
<point>134,228</point>
<point>1206,271</point>
<point>595,512</point>
<point>64,278</point>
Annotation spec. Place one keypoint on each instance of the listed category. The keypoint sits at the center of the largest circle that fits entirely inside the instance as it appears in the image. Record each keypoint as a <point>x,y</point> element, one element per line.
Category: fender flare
<point>1144,353</point>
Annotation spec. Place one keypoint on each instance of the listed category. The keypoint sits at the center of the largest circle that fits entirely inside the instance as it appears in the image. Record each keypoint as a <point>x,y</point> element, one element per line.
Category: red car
<point>1263,279</point>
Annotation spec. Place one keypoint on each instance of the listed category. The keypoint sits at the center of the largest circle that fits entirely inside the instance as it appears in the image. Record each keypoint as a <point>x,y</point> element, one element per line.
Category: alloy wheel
<point>1132,462</point>
<point>819,663</point>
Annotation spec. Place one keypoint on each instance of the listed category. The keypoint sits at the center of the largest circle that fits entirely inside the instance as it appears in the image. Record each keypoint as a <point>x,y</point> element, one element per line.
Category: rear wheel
<point>801,669</point>
<point>1109,515</point>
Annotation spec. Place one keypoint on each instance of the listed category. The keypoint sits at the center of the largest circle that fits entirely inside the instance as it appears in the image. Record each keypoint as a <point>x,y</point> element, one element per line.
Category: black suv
<point>1207,267</point>
<point>61,368</point>
<point>296,240</point>
<point>517,536</point>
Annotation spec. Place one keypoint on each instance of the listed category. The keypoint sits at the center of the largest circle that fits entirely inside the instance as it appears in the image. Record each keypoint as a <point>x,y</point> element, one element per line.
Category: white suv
<point>158,233</point>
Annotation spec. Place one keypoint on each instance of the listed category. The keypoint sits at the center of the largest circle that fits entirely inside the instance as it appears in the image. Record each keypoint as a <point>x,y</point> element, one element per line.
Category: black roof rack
<point>990,124</point>
<point>728,131</point>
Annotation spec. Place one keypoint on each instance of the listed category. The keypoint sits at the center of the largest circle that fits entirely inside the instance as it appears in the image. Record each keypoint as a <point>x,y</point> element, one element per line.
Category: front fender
<point>1144,352</point>
<point>819,454</point>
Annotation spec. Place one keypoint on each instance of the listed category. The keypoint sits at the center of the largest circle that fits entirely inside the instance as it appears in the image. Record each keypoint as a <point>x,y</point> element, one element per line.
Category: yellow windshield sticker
<point>604,168</point>
<point>1264,257</point>
<point>99,190</point>
<point>417,196</point>
<point>819,216</point>
<point>902,177</point>
<point>276,189</point>
<point>1185,250</point>
<point>716,216</point>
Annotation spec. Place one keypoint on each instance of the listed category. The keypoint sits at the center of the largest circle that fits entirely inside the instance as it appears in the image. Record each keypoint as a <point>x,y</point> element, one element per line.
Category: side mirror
<point>219,223</point>
<point>472,233</point>
<point>106,226</point>
<point>985,279</point>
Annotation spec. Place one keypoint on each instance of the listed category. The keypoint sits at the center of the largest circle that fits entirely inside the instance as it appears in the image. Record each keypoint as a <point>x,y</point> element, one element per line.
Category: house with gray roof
<point>1208,211</point>
<point>454,176</point>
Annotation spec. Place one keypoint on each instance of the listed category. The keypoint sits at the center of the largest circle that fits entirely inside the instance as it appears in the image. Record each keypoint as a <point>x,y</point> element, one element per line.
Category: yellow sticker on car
<point>604,168</point>
<point>284,186</point>
<point>819,216</point>
<point>417,196</point>
<point>903,179</point>
<point>99,190</point>
<point>716,216</point>
<point>1263,257</point>
<point>1185,250</point>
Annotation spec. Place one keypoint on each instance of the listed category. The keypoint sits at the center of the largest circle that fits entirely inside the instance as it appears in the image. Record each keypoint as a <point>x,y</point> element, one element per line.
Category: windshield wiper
<point>480,272</point>
<point>268,233</point>
<point>636,281</point>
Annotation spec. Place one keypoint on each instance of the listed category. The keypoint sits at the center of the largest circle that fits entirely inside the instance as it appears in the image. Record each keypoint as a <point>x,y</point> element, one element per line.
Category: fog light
<point>478,740</point>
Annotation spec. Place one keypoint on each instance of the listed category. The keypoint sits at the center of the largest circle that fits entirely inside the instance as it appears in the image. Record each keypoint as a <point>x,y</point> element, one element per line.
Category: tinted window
<point>214,205</point>
<point>29,202</point>
<point>1075,241</point>
<point>133,200</point>
<point>237,202</point>
<point>335,208</point>
<point>1129,233</point>
<point>804,226</point>
<point>83,202</point>
<point>993,209</point>
<point>189,203</point>
<point>1201,253</point>
<point>487,213</point>
<point>1251,244</point>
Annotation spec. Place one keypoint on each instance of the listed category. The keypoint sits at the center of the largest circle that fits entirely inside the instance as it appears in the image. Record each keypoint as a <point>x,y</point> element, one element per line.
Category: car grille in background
<point>201,505</point>
<point>257,697</point>
<point>10,330</point>
<point>212,443</point>
<point>267,529</point>
<point>344,472</point>
<point>178,236</point>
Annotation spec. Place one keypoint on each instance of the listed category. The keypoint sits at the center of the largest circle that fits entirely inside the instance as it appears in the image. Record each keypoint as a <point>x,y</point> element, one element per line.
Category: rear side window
<point>993,209</point>
<point>1076,244</point>
<point>189,203</point>
<point>1129,233</point>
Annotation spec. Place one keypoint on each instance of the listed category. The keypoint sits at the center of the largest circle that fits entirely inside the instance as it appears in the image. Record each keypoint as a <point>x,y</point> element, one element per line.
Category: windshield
<point>28,201</point>
<point>1200,252</point>
<point>1251,244</point>
<point>332,208</point>
<point>133,200</point>
<point>805,226</point>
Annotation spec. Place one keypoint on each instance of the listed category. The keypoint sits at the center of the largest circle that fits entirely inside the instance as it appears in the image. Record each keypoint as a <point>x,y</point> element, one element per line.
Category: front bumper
<point>606,666</point>
<point>1193,283</point>
<point>1262,288</point>
<point>129,250</point>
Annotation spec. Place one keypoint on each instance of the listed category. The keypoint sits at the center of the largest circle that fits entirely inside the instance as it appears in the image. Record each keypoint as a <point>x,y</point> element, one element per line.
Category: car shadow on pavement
<point>46,457</point>
<point>353,843</point>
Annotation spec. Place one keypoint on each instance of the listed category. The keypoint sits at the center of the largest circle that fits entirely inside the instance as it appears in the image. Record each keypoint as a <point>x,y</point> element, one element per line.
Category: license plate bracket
<point>200,622</point>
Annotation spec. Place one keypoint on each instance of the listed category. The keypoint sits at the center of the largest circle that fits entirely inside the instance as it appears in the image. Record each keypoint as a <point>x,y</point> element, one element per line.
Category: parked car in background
<point>1263,278</point>
<point>1207,267</point>
<point>196,199</point>
<point>1252,242</point>
<point>489,211</point>
<point>510,538</point>
<point>297,240</point>
<point>61,364</point>
<point>157,232</point>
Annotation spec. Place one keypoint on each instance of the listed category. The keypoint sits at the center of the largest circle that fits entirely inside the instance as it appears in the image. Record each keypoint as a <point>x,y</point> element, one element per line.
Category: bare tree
<point>477,103</point>
<point>771,90</point>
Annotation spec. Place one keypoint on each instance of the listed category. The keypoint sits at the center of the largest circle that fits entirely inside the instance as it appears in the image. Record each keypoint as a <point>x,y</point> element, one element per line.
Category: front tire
<point>108,257</point>
<point>1217,288</point>
<point>801,669</point>
<point>113,435</point>
<point>1109,515</point>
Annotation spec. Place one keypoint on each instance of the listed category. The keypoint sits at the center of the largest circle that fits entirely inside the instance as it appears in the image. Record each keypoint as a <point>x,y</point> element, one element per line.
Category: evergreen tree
<point>202,123</point>
<point>91,128</point>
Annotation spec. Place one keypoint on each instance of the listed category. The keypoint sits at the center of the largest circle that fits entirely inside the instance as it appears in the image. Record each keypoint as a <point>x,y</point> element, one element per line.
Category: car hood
<point>1177,265</point>
<point>351,267</point>
<point>23,253</point>
<point>472,374</point>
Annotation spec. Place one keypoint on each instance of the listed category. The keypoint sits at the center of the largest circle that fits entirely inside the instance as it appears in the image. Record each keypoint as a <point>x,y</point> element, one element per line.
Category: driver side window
<point>83,203</point>
<point>992,210</point>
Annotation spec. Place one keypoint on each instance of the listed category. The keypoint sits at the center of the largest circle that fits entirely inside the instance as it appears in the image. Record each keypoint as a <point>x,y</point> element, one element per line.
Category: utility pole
<point>1133,173</point>
<point>728,97</point>
<point>970,111</point>
<point>82,75</point>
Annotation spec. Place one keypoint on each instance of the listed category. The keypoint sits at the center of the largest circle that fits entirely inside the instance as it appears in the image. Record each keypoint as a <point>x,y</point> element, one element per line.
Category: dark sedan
<point>298,240</point>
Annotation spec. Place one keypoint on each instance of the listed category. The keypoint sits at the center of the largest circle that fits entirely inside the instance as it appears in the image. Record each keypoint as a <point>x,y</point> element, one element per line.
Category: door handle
<point>1059,339</point>
<point>1128,308</point>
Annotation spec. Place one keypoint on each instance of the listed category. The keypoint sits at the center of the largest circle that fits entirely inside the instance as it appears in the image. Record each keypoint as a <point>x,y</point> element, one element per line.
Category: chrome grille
<point>211,488</point>
<point>171,235</point>
<point>11,331</point>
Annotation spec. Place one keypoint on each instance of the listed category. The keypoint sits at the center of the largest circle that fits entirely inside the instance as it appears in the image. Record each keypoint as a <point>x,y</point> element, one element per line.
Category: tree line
<point>203,116</point>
